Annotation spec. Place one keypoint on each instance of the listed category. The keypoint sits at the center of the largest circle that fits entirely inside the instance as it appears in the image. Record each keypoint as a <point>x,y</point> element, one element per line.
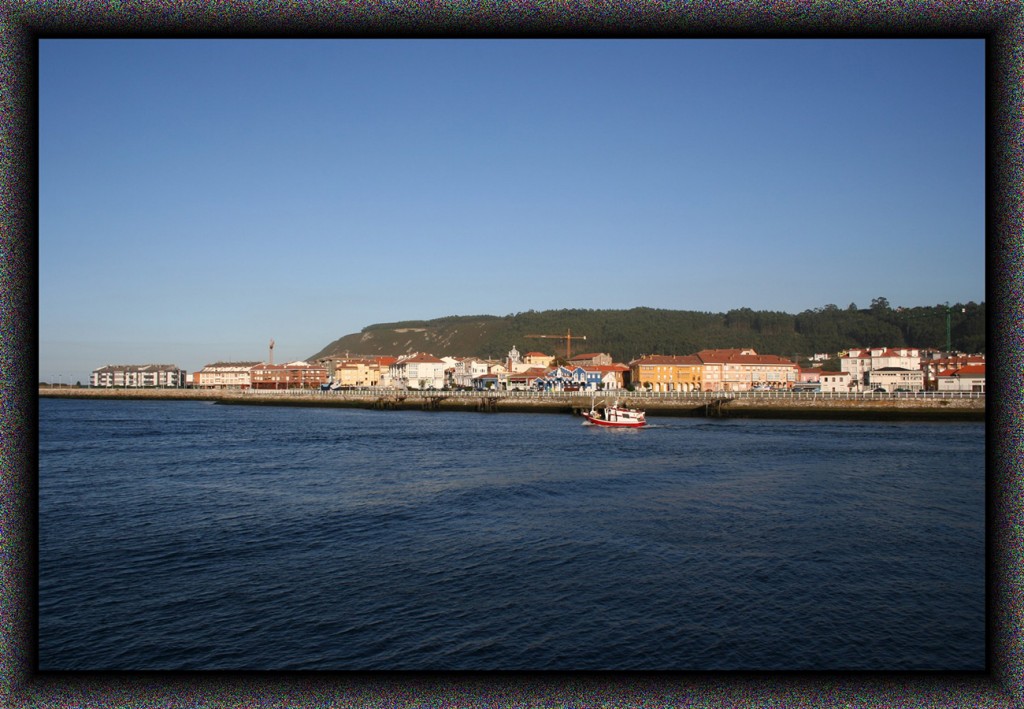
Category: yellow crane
<point>568,337</point>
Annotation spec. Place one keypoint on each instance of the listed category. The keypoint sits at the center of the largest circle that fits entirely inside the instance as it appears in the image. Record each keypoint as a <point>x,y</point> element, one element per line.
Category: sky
<point>198,198</point>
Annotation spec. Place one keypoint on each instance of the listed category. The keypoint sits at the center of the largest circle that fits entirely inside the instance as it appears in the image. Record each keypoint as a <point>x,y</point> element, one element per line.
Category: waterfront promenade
<point>774,404</point>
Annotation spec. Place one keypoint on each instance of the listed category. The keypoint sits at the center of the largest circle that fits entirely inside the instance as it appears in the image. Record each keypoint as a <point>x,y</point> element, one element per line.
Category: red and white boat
<point>616,416</point>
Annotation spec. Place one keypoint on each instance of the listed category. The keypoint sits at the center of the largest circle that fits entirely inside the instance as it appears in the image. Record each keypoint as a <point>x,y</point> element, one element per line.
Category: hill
<point>628,334</point>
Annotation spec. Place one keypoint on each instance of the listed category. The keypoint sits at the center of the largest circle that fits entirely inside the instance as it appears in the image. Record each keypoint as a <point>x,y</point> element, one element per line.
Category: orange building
<point>667,372</point>
<point>743,370</point>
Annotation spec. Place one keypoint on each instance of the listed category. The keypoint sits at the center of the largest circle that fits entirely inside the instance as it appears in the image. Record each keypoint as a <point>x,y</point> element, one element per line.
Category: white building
<point>835,382</point>
<point>943,362</point>
<point>515,363</point>
<point>901,357</point>
<point>896,379</point>
<point>224,375</point>
<point>611,379</point>
<point>970,378</point>
<point>861,362</point>
<point>857,363</point>
<point>133,376</point>
<point>466,370</point>
<point>417,371</point>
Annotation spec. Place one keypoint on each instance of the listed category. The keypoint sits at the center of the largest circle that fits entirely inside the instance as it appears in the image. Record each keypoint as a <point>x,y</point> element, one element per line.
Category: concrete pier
<point>902,406</point>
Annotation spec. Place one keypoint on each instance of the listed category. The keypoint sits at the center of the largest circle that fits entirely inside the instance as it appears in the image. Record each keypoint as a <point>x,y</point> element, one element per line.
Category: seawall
<point>724,405</point>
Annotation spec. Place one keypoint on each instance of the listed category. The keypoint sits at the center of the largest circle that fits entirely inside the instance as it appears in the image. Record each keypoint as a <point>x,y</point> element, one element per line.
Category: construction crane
<point>568,337</point>
<point>949,318</point>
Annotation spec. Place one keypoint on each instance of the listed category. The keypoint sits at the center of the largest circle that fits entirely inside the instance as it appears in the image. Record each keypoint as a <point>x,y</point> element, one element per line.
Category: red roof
<point>668,359</point>
<point>606,368</point>
<point>296,366</point>
<point>960,360</point>
<point>892,352</point>
<point>532,373</point>
<point>737,357</point>
<point>423,358</point>
<point>970,370</point>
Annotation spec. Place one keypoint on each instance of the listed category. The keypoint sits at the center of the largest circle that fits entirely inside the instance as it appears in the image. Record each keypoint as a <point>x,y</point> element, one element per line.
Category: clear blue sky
<point>198,198</point>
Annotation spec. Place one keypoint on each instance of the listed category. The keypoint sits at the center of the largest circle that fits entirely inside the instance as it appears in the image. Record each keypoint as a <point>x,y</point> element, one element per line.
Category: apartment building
<point>138,376</point>
<point>294,375</point>
<point>744,369</point>
<point>857,363</point>
<point>417,371</point>
<point>861,362</point>
<point>667,372</point>
<point>224,375</point>
<point>357,373</point>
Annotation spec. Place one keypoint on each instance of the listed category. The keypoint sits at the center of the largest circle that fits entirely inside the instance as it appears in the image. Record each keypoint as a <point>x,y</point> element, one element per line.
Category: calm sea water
<point>189,535</point>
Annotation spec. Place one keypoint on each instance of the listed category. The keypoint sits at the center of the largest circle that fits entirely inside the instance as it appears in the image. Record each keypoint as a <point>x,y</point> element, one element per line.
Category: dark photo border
<point>22,24</point>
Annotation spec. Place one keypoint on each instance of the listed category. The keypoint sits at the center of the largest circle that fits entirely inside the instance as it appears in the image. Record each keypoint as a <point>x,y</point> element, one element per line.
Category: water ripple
<point>188,536</point>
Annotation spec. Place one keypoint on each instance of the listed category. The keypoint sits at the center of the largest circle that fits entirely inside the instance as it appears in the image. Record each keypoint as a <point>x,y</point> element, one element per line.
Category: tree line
<point>628,334</point>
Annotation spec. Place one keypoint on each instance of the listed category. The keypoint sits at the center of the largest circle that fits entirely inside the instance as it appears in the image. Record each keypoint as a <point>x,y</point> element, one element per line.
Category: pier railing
<point>610,394</point>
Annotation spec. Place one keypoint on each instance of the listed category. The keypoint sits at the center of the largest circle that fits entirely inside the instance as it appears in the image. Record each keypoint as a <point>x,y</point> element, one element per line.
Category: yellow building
<point>714,370</point>
<point>538,359</point>
<point>357,374</point>
<point>357,371</point>
<point>667,373</point>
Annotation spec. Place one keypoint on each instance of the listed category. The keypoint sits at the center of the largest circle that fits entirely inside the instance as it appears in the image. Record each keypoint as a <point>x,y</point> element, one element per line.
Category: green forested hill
<point>627,334</point>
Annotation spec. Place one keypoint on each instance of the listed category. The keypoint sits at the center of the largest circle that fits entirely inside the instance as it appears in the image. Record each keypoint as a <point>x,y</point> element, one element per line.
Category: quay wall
<point>724,405</point>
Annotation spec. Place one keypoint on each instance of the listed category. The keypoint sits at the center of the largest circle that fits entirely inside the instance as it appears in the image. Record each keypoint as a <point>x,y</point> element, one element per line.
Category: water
<point>189,535</point>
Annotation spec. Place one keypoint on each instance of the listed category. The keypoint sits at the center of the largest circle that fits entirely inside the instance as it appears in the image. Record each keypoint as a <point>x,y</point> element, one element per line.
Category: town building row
<point>725,370</point>
<point>861,370</point>
<point>907,369</point>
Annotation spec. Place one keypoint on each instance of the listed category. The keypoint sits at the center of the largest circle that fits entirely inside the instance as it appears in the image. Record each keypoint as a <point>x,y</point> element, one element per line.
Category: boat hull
<point>615,424</point>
